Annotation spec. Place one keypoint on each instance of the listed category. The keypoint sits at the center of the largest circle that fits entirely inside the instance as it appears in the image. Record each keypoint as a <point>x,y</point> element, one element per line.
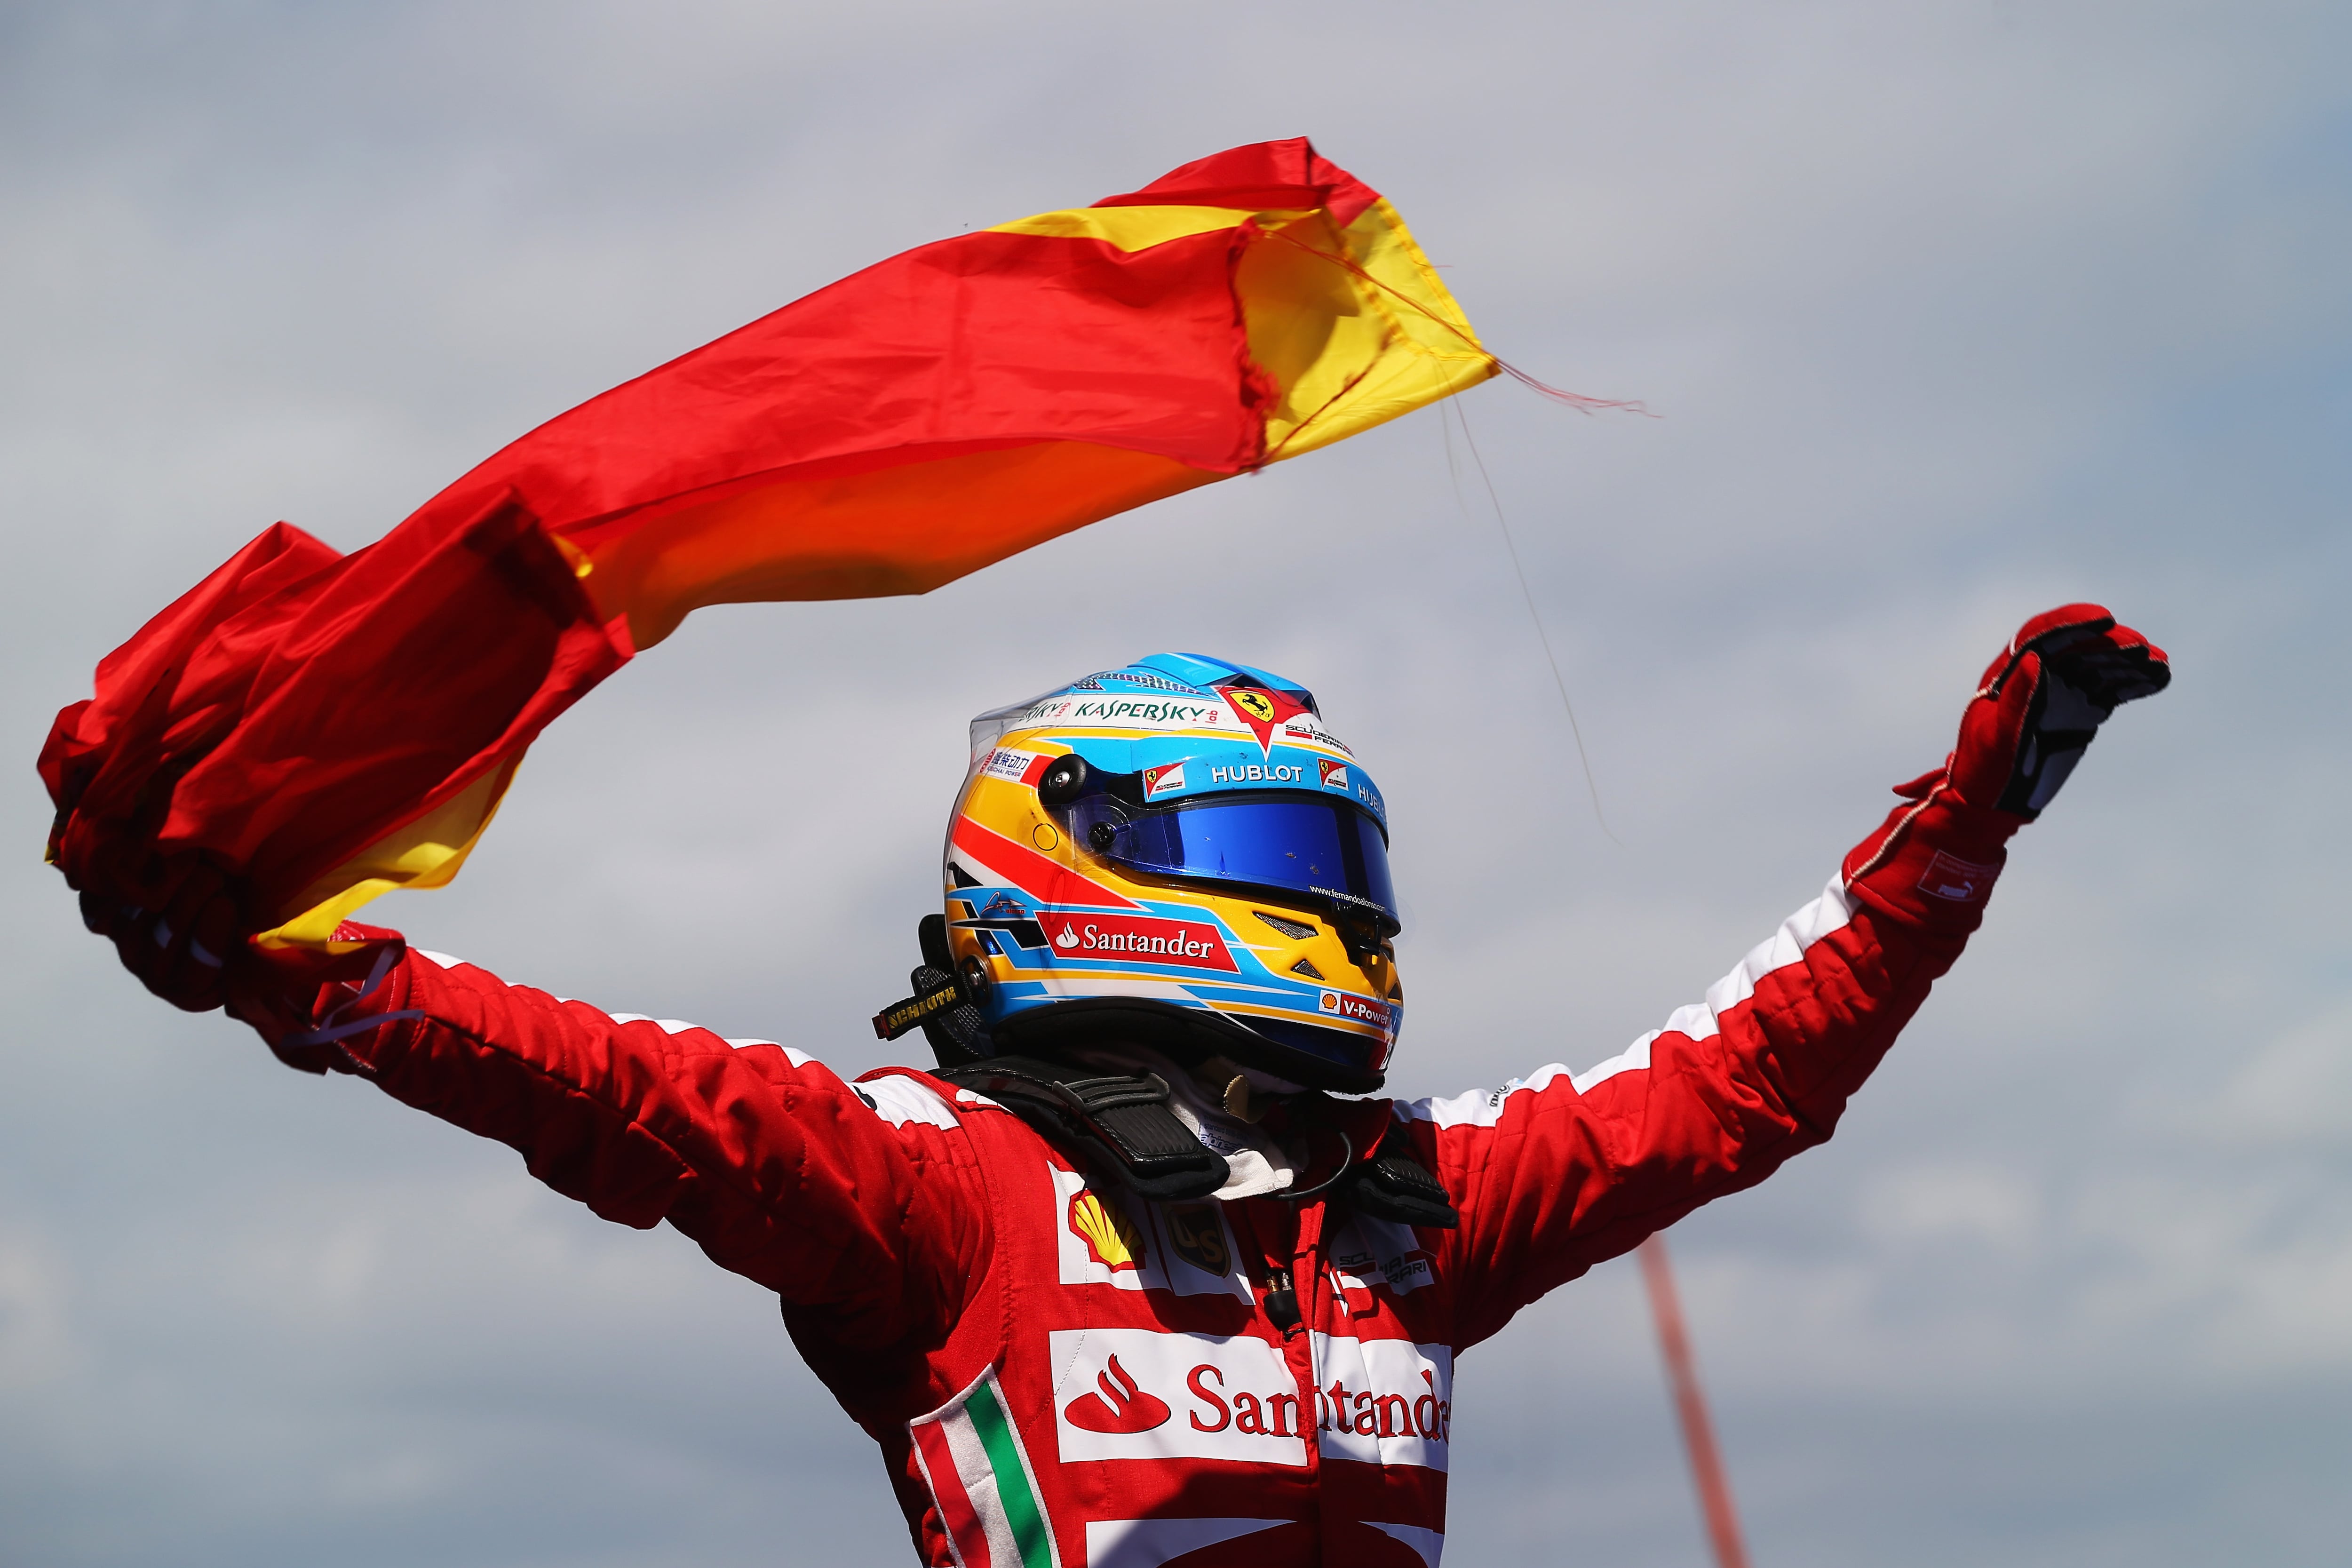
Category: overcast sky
<point>1947,314</point>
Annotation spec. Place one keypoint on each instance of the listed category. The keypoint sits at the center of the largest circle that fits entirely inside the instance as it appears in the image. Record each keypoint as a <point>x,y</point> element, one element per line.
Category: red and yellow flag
<point>329,727</point>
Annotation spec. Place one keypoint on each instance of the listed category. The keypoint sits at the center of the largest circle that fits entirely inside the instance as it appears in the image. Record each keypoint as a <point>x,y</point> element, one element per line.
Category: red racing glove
<point>180,926</point>
<point>2036,710</point>
<point>2042,700</point>
<point>175,928</point>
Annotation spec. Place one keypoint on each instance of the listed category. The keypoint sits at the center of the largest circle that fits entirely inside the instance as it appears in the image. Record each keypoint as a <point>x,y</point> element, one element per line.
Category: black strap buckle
<point>1393,1185</point>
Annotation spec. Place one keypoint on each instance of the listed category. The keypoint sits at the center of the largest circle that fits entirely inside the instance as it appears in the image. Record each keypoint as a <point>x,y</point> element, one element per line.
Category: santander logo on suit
<point>1121,1406</point>
<point>1157,1395</point>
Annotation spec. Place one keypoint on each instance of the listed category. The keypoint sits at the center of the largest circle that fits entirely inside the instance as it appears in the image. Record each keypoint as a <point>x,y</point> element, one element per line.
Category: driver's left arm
<point>1562,1170</point>
<point>1559,1171</point>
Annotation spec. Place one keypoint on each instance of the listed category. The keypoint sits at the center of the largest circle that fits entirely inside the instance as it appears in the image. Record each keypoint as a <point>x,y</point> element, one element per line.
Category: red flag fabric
<point>325,727</point>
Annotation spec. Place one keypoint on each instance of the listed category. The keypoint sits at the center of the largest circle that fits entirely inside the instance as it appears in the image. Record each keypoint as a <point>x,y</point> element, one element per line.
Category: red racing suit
<point>1059,1374</point>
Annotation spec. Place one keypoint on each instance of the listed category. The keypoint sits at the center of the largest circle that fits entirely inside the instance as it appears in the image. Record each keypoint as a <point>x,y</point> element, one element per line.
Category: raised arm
<point>1559,1171</point>
<point>864,1203</point>
<point>861,1206</point>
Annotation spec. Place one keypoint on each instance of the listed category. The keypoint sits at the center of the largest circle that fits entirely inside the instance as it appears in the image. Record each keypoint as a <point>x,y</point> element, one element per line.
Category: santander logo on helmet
<point>1178,853</point>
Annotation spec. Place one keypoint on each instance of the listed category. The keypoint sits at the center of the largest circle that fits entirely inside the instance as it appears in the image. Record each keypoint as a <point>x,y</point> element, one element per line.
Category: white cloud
<point>2298,1089</point>
<point>1953,1206</point>
<point>36,1307</point>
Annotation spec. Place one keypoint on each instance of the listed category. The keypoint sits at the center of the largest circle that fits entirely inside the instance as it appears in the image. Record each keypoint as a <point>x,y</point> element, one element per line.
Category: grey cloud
<point>1948,312</point>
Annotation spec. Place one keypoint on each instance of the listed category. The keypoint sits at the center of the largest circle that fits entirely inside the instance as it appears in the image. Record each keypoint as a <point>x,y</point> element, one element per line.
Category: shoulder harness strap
<point>1124,1121</point>
<point>1394,1185</point>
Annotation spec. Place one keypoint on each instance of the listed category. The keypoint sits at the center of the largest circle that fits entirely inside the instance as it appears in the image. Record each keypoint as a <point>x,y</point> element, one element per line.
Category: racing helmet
<point>1177,852</point>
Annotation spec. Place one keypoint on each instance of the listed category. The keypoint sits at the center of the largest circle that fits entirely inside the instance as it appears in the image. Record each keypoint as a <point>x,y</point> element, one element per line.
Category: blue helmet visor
<point>1323,851</point>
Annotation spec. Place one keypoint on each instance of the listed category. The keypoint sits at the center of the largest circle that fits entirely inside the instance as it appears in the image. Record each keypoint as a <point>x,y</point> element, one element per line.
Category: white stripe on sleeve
<point>1703,1020</point>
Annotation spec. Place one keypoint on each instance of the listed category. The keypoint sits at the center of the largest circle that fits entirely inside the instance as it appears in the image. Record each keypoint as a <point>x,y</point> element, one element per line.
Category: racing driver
<point>1139,1273</point>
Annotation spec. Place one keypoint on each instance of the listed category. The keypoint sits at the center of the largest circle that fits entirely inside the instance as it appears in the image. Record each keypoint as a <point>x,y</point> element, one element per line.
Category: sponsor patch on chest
<point>1145,1394</point>
<point>1139,1394</point>
<point>1114,1238</point>
<point>1384,1401</point>
<point>1367,1252</point>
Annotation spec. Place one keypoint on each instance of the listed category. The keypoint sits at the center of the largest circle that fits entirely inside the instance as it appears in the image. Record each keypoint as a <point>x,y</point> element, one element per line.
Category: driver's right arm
<point>864,1210</point>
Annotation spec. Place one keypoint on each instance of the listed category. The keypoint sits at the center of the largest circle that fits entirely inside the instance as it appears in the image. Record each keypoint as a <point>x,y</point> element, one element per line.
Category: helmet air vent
<point>1295,929</point>
<point>1306,967</point>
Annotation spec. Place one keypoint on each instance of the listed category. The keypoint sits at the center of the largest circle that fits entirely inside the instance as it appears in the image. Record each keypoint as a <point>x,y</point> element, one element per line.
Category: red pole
<point>1698,1433</point>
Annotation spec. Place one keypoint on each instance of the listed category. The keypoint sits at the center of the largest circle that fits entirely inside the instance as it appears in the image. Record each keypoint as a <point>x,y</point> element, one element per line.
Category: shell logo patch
<point>1108,1234</point>
<point>1357,1009</point>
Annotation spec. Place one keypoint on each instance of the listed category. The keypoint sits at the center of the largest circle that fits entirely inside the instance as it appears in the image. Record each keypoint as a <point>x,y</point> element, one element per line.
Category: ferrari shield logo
<point>1261,711</point>
<point>1253,705</point>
